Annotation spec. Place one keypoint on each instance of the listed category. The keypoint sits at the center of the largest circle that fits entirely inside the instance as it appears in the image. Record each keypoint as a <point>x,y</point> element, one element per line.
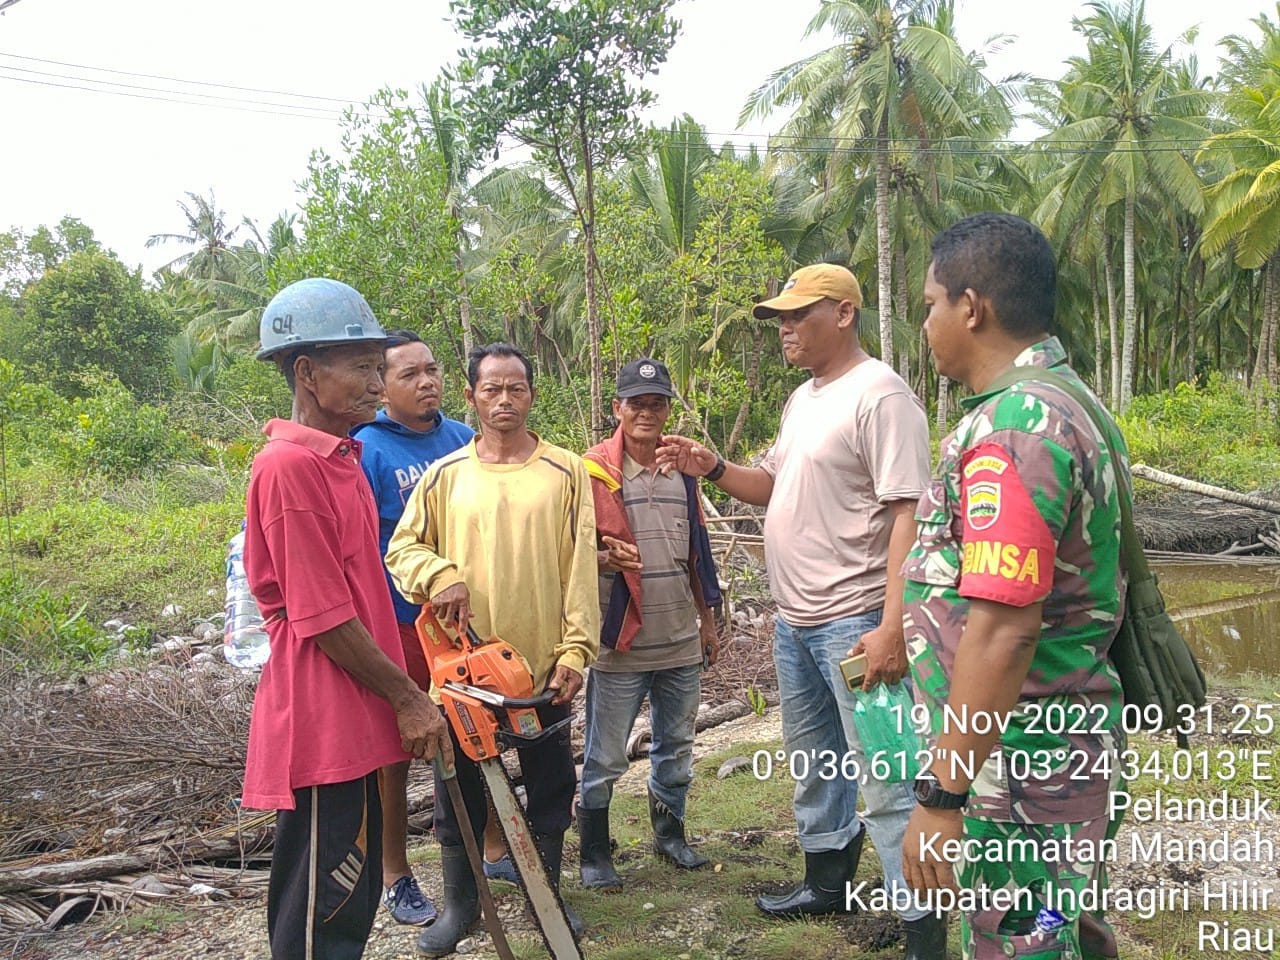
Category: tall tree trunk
<point>900,307</point>
<point>1097,335</point>
<point>1273,324</point>
<point>464,304</point>
<point>1130,313</point>
<point>1175,322</point>
<point>944,391</point>
<point>1194,281</point>
<point>464,294</point>
<point>589,287</point>
<point>1150,368</point>
<point>884,247</point>
<point>1264,365</point>
<point>1113,331</point>
<point>753,388</point>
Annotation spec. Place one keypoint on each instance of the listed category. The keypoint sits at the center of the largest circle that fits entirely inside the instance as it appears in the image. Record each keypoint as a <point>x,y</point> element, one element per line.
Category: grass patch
<point>150,920</point>
<point>128,548</point>
<point>1171,935</point>
<point>748,832</point>
<point>745,826</point>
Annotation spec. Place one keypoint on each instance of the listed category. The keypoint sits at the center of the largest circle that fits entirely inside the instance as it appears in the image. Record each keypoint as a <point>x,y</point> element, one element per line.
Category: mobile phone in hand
<point>854,671</point>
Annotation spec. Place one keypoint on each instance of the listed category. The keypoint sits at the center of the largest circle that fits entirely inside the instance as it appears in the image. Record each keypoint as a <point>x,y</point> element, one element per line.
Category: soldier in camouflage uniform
<point>1014,593</point>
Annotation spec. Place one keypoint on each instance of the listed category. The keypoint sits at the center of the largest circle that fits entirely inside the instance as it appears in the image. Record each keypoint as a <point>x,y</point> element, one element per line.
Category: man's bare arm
<point>422,728</point>
<point>748,484</point>
<point>885,646</point>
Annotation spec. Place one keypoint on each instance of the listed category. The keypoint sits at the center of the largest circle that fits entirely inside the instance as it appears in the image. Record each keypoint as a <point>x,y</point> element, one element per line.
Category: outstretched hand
<point>688,456</point>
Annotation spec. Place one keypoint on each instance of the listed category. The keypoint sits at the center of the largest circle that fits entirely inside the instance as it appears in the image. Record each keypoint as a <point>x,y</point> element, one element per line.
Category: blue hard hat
<point>316,311</point>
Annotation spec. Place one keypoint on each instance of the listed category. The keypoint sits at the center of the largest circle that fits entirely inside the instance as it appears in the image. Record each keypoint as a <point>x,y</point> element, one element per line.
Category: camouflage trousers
<point>998,934</point>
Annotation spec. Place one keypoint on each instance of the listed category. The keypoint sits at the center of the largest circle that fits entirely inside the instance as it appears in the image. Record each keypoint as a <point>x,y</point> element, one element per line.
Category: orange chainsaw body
<point>494,666</point>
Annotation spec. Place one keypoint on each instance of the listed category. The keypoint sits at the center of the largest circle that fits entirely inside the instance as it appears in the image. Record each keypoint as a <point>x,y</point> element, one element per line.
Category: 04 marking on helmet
<point>282,324</point>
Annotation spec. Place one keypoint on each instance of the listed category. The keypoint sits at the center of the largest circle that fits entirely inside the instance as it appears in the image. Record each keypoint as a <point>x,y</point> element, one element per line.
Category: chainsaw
<point>486,690</point>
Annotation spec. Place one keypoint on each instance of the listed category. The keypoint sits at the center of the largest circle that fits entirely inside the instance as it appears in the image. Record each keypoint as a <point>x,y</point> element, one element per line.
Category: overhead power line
<point>195,83</point>
<point>243,108</point>
<point>200,93</point>
<point>210,99</point>
<point>317,107</point>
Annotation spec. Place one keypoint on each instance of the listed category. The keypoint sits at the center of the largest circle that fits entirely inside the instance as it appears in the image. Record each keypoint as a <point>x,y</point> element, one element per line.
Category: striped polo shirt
<point>658,512</point>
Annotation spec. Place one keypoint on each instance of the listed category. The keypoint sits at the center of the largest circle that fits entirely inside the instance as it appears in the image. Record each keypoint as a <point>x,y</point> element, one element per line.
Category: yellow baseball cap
<point>809,285</point>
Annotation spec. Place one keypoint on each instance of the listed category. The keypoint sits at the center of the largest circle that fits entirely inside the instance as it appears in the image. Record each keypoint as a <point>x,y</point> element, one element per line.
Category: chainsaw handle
<point>541,700</point>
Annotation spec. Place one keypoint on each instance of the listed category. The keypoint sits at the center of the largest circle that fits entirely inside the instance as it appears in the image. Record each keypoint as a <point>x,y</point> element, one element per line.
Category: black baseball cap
<point>642,376</point>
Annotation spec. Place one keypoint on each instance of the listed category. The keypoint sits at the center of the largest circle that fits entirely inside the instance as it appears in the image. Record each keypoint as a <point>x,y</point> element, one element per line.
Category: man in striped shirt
<point>657,587</point>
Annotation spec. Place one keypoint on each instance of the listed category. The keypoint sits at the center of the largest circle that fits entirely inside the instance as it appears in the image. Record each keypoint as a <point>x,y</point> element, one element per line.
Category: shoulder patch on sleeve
<point>1009,550</point>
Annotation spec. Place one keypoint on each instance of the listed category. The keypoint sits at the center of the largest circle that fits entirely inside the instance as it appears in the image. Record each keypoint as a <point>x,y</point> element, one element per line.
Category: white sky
<point>120,163</point>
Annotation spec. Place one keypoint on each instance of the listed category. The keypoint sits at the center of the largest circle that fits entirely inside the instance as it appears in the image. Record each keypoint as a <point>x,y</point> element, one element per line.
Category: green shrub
<point>1217,433</point>
<point>39,626</point>
<point>128,548</point>
<point>109,432</point>
<point>250,392</point>
<point>105,431</point>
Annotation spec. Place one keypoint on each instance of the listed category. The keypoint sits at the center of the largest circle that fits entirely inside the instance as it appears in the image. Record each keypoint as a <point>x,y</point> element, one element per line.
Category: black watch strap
<point>716,472</point>
<point>929,793</point>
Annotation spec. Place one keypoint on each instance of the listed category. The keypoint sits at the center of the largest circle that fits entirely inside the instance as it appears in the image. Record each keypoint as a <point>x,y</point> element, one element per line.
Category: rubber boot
<point>668,836</point>
<point>595,859</point>
<point>461,905</point>
<point>823,888</point>
<point>926,937</point>
<point>551,849</point>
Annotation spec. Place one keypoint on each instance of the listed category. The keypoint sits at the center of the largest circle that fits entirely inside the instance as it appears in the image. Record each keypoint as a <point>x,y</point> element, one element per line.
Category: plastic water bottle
<point>890,743</point>
<point>246,643</point>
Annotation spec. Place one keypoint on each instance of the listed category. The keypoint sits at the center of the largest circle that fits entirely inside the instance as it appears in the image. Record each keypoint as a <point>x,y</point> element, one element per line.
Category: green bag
<point>1158,671</point>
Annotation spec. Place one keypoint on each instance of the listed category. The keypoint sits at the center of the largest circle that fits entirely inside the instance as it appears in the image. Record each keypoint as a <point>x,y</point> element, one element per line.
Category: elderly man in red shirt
<point>334,703</point>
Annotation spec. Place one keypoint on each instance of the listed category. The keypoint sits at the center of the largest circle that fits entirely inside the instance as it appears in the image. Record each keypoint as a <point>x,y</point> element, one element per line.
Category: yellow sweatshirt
<point>522,537</point>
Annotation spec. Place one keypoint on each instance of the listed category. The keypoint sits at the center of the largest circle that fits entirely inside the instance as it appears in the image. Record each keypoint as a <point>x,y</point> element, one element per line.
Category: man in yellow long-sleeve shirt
<point>502,533</point>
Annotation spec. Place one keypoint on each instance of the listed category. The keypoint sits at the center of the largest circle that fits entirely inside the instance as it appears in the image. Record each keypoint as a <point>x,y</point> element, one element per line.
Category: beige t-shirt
<point>843,452</point>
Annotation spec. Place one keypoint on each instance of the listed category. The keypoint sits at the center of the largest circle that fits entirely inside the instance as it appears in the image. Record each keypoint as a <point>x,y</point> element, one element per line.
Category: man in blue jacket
<point>407,436</point>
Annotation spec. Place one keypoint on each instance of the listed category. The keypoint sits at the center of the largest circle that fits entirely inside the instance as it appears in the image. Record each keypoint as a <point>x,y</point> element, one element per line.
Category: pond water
<point>1229,613</point>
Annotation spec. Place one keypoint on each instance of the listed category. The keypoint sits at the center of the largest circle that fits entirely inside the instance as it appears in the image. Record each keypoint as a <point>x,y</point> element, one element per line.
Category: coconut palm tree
<point>1244,206</point>
<point>445,128</point>
<point>208,236</point>
<point>1131,125</point>
<point>895,84</point>
<point>232,318</point>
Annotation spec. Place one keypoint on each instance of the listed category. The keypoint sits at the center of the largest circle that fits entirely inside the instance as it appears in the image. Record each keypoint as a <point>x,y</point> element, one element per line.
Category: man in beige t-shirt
<point>840,484</point>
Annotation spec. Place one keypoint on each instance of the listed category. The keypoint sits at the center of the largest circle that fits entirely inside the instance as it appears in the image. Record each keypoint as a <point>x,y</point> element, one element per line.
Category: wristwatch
<point>716,472</point>
<point>930,794</point>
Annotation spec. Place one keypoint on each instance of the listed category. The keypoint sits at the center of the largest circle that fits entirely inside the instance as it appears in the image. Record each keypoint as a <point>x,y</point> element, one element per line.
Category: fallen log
<point>237,847</point>
<point>708,716</point>
<point>1204,489</point>
<point>14,879</point>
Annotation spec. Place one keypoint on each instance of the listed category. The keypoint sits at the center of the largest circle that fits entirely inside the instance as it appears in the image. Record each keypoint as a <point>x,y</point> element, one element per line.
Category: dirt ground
<point>236,929</point>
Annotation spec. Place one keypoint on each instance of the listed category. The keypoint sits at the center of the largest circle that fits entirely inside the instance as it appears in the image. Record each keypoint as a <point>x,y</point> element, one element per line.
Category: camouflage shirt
<point>1023,508</point>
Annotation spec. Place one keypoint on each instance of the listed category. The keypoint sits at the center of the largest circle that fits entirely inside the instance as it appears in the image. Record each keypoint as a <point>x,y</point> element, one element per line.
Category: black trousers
<point>549,783</point>
<point>326,872</point>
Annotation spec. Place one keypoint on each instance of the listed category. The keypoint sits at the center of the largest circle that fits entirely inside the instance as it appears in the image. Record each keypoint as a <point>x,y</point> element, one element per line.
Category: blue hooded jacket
<point>394,459</point>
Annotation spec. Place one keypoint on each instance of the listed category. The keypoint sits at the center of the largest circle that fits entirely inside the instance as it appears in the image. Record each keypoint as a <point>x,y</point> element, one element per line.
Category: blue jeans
<point>613,703</point>
<point>817,715</point>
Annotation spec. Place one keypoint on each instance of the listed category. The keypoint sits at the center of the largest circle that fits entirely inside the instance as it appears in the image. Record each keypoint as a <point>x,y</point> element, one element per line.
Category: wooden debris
<point>1204,489</point>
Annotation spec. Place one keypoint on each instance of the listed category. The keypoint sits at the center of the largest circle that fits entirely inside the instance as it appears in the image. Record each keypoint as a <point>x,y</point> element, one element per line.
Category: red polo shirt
<point>311,557</point>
